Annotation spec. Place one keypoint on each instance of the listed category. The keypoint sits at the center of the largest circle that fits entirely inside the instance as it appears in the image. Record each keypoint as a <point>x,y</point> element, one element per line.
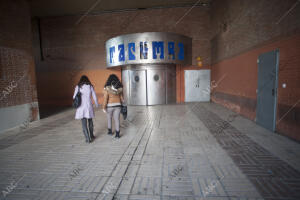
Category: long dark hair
<point>84,80</point>
<point>113,80</point>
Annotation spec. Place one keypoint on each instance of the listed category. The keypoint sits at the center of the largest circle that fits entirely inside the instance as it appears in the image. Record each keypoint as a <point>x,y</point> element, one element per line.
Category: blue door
<point>267,89</point>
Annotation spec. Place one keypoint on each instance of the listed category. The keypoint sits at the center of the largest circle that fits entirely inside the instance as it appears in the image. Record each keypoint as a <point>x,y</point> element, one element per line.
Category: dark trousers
<point>88,132</point>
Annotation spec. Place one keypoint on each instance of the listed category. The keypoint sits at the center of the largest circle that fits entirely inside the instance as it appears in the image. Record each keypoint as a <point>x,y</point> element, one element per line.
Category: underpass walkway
<point>185,151</point>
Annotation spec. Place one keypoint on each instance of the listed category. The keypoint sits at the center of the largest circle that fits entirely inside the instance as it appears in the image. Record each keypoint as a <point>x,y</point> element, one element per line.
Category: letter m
<point>158,48</point>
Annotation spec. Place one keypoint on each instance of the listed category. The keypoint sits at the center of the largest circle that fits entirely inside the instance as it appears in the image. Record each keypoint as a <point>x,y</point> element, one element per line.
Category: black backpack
<point>77,100</point>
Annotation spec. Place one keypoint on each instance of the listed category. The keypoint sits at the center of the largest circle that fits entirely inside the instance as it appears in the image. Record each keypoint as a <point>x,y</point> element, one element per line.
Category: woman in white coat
<point>85,111</point>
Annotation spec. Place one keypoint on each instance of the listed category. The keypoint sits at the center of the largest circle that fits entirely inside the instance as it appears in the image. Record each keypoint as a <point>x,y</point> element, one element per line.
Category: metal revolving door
<point>149,84</point>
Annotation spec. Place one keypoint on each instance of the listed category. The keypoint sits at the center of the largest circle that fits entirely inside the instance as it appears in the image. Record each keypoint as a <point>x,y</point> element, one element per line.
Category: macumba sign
<point>148,48</point>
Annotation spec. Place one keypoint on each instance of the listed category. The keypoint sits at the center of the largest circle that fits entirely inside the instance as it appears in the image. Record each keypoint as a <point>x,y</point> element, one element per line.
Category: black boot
<point>117,134</point>
<point>109,132</point>
<point>92,135</point>
<point>85,131</point>
<point>88,141</point>
<point>87,137</point>
<point>91,129</point>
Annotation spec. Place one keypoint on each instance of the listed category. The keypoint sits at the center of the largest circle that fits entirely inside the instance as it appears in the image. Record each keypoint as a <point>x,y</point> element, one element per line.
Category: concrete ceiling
<point>43,8</point>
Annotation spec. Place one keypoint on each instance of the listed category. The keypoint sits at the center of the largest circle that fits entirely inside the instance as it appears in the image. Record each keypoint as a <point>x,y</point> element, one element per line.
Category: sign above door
<point>149,48</point>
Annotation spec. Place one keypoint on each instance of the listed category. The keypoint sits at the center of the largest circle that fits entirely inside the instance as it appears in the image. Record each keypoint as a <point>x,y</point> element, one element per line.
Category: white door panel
<point>197,85</point>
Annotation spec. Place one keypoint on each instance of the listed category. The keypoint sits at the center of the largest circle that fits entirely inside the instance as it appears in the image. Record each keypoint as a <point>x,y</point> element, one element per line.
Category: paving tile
<point>165,152</point>
<point>176,187</point>
<point>178,197</point>
<point>147,186</point>
<point>144,197</point>
<point>150,170</point>
<point>239,187</point>
<point>206,187</point>
<point>263,169</point>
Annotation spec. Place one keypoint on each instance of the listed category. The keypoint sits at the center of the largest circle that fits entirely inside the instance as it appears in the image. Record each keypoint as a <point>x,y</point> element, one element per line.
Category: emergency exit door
<point>267,89</point>
<point>197,85</point>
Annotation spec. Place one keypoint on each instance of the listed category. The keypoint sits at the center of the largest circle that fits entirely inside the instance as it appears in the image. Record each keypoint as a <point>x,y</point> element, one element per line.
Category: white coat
<point>85,110</point>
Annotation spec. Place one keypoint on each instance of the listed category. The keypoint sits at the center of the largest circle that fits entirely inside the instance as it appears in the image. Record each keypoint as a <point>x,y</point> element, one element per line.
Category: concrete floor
<point>166,152</point>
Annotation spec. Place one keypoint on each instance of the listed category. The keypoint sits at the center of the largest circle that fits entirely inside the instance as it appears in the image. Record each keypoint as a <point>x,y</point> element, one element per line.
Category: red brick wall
<point>17,74</point>
<point>241,25</point>
<point>67,46</point>
<point>244,30</point>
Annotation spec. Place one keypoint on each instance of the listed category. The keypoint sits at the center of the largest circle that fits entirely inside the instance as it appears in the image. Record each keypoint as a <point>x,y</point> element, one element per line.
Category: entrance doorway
<point>149,84</point>
<point>267,89</point>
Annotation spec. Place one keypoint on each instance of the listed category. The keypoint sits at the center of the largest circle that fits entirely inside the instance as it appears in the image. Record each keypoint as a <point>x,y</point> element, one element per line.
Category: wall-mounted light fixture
<point>199,62</point>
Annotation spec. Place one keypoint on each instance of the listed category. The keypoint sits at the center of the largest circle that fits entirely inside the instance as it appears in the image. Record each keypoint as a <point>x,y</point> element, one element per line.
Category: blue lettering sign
<point>171,52</point>
<point>121,53</point>
<point>143,50</point>
<point>181,51</point>
<point>131,51</point>
<point>111,54</point>
<point>158,48</point>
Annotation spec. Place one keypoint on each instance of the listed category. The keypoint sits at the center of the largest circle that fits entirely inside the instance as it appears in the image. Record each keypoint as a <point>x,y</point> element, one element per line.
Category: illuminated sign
<point>157,51</point>
<point>148,48</point>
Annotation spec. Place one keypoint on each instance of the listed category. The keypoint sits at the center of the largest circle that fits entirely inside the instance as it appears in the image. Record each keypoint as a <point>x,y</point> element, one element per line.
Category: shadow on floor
<point>47,111</point>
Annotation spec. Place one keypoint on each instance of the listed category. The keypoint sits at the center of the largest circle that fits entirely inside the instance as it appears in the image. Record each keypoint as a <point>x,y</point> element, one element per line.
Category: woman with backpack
<point>112,103</point>
<point>85,111</point>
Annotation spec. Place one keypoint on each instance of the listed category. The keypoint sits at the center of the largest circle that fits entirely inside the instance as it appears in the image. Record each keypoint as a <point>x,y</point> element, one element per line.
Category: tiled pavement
<point>191,151</point>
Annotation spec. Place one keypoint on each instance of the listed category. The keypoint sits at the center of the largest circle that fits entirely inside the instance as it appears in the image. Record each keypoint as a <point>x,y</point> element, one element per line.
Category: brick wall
<point>242,31</point>
<point>68,47</point>
<point>17,73</point>
<point>241,25</point>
